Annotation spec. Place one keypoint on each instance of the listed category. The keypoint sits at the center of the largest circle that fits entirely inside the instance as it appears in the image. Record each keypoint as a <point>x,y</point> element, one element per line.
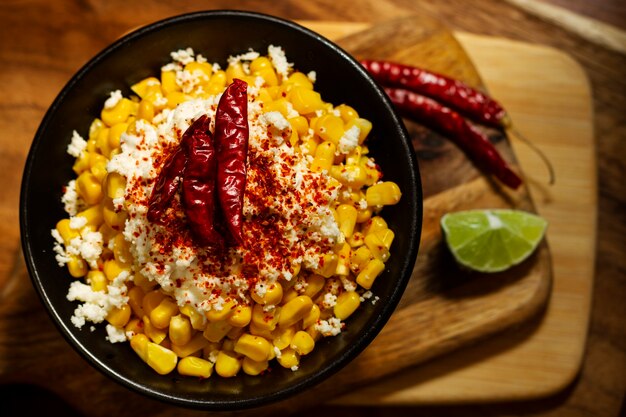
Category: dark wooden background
<point>72,31</point>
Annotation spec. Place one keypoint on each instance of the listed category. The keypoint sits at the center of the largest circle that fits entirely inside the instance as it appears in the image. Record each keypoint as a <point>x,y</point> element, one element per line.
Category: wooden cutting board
<point>443,308</point>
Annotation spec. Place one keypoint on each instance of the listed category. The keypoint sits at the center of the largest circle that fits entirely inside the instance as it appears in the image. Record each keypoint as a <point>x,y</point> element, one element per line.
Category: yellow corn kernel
<point>227,364</point>
<point>99,170</point>
<point>260,63</point>
<point>288,358</point>
<point>311,318</point>
<point>254,347</point>
<point>377,246</point>
<point>197,319</point>
<point>156,335</point>
<point>134,326</point>
<point>280,105</point>
<point>139,343</point>
<point>273,294</point>
<point>160,315</point>
<point>343,260</point>
<point>290,294</point>
<point>135,301</point>
<point>96,159</point>
<point>228,345</point>
<point>383,194</point>
<point>386,237</point>
<point>329,127</point>
<point>175,98</point>
<point>305,100</point>
<point>324,156</point>
<point>300,124</point>
<point>201,69</point>
<point>94,129</point>
<point>114,219</point>
<point>235,333</point>
<point>357,239</point>
<point>151,300</point>
<point>97,281</point>
<point>352,176</point>
<point>227,309</point>
<point>235,71</point>
<point>282,336</point>
<point>365,126</point>
<point>360,258</point>
<point>121,250</point>
<point>102,142</point>
<point>371,271</point>
<point>113,268</point>
<point>264,97</point>
<point>363,215</point>
<point>115,185</point>
<point>302,343</point>
<point>299,79</point>
<point>93,216</point>
<point>295,310</point>
<point>179,330</point>
<point>82,163</point>
<point>159,358</point>
<point>216,330</point>
<point>313,332</point>
<point>346,214</point>
<point>77,267</point>
<point>315,283</point>
<point>89,188</point>
<point>168,82</point>
<point>266,320</point>
<point>241,316</point>
<point>118,317</point>
<point>107,232</point>
<point>142,87</point>
<point>115,133</point>
<point>251,367</point>
<point>118,113</point>
<point>192,366</point>
<point>268,75</point>
<point>309,145</point>
<point>327,265</point>
<point>347,303</point>
<point>217,83</point>
<point>66,232</point>
<point>347,113</point>
<point>195,344</point>
<point>374,225</point>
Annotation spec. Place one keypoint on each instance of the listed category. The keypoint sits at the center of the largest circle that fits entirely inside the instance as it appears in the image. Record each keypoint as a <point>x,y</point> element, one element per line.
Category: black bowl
<point>215,34</point>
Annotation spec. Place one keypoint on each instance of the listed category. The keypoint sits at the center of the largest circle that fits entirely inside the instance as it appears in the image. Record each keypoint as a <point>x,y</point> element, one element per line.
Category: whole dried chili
<point>166,185</point>
<point>231,143</point>
<point>453,125</point>
<point>453,93</point>
<point>199,183</point>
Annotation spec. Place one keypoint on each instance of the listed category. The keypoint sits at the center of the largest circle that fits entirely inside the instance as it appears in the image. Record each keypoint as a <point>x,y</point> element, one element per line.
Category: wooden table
<point>83,28</point>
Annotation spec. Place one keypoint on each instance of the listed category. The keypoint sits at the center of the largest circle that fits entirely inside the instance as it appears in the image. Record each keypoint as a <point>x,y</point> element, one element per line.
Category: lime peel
<point>492,240</point>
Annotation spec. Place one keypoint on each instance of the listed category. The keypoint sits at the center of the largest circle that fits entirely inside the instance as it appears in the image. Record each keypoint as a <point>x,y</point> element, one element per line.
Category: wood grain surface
<point>71,32</point>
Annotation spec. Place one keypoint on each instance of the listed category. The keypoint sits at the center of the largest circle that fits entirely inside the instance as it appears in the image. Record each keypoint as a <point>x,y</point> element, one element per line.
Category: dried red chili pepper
<point>199,183</point>
<point>231,143</point>
<point>166,185</point>
<point>453,125</point>
<point>454,93</point>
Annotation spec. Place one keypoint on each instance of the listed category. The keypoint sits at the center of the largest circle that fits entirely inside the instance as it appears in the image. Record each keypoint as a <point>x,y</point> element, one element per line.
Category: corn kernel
<point>89,188</point>
<point>77,267</point>
<point>115,133</point>
<point>300,124</point>
<point>375,224</point>
<point>280,105</point>
<point>102,142</point>
<point>385,236</point>
<point>160,316</point>
<point>251,367</point>
<point>168,82</point>
<point>118,113</point>
<point>254,347</point>
<point>93,216</point>
<point>142,87</point>
<point>266,320</point>
<point>282,336</point>
<point>235,332</point>
<point>302,343</point>
<point>273,294</point>
<point>82,162</point>
<point>159,358</point>
<point>146,110</point>
<point>216,330</point>
<point>268,75</point>
<point>329,127</point>
<point>365,126</point>
<point>115,185</point>
<point>135,300</point>
<point>197,343</point>
<point>156,335</point>
<point>371,271</point>
<point>305,101</point>
<point>360,258</point>
<point>343,260</point>
<point>295,310</point>
<point>347,219</point>
<point>217,83</point>
<point>315,283</point>
<point>235,71</point>
<point>311,318</point>
<point>151,300</point>
<point>112,269</point>
<point>347,303</point>
<point>227,364</point>
<point>97,281</point>
<point>324,156</point>
<point>383,194</point>
<point>347,113</point>
<point>197,319</point>
<point>134,326</point>
<point>288,358</point>
<point>227,309</point>
<point>241,316</point>
<point>357,239</point>
<point>118,317</point>
<point>139,343</point>
<point>377,247</point>
<point>114,219</point>
<point>299,79</point>
<point>142,281</point>
<point>66,232</point>
<point>327,265</point>
<point>198,367</point>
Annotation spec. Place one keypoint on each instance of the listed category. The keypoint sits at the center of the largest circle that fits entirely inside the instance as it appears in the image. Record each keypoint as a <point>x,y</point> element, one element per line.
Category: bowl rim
<point>324,372</point>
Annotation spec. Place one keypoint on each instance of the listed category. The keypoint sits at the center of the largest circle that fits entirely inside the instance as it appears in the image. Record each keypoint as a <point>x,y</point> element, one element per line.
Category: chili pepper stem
<point>535,148</point>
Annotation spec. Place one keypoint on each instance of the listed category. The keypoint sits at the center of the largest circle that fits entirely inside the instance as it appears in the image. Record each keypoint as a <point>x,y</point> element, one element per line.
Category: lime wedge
<point>492,240</point>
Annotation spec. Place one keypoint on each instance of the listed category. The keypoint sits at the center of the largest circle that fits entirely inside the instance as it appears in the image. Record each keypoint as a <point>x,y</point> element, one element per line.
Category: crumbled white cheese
<point>279,60</point>
<point>114,98</point>
<point>349,140</point>
<point>183,56</point>
<point>61,255</point>
<point>348,285</point>
<point>247,56</point>
<point>294,368</point>
<point>70,199</point>
<point>312,76</point>
<point>376,298</point>
<point>276,119</point>
<point>330,327</point>
<point>77,145</point>
<point>115,335</point>
<point>366,295</point>
<point>213,356</point>
<point>77,223</point>
<point>329,300</point>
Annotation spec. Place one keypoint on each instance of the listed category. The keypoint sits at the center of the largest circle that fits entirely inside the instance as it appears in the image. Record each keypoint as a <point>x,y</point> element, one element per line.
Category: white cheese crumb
<point>275,119</point>
<point>248,56</point>
<point>115,335</point>
<point>376,298</point>
<point>329,300</point>
<point>350,140</point>
<point>77,223</point>
<point>77,145</point>
<point>183,56</point>
<point>71,201</point>
<point>330,327</point>
<point>312,76</point>
<point>61,255</point>
<point>260,289</point>
<point>347,284</point>
<point>213,356</point>
<point>294,368</point>
<point>277,352</point>
<point>279,60</point>
<point>114,98</point>
<point>366,295</point>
